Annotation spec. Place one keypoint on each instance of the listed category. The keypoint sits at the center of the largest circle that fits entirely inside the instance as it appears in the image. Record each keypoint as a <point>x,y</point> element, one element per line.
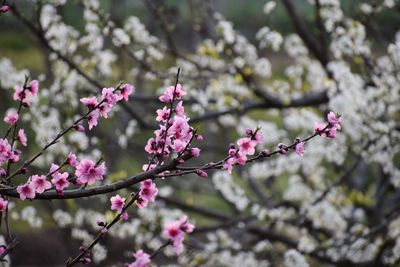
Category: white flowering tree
<point>185,146</point>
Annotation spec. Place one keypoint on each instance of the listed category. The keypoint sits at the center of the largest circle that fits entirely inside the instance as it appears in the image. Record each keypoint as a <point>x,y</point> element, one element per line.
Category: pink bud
<point>100,223</point>
<point>79,128</point>
<point>201,173</point>
<point>264,152</point>
<point>4,9</point>
<point>195,151</point>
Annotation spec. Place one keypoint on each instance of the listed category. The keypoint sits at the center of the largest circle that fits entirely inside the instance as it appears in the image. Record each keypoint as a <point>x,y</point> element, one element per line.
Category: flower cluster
<point>246,146</point>
<point>7,153</point>
<point>110,97</point>
<point>329,130</point>
<point>24,93</point>
<point>86,172</point>
<point>175,232</point>
<point>175,133</point>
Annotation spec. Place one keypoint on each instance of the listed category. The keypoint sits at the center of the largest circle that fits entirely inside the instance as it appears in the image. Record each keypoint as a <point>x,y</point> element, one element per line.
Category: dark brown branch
<point>304,34</point>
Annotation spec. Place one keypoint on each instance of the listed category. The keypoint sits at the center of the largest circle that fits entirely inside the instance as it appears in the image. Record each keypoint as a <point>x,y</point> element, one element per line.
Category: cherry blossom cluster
<point>329,130</point>
<point>246,147</point>
<point>87,172</point>
<point>110,97</point>
<point>148,192</point>
<point>8,152</point>
<point>174,135</point>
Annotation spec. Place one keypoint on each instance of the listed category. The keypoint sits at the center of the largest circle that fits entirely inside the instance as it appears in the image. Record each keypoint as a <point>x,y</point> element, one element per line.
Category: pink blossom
<point>331,132</point>
<point>109,96</point>
<point>247,146</point>
<point>22,137</point>
<point>104,109</point>
<point>3,204</point>
<point>72,160</point>
<point>179,109</point>
<point>5,150</point>
<point>232,151</point>
<point>26,190</point>
<point>60,181</point>
<point>88,172</point>
<point>117,203</point>
<point>2,172</point>
<point>148,190</point>
<point>186,226</point>
<point>40,183</point>
<point>258,137</point>
<point>180,129</point>
<point>199,137</point>
<point>175,232</point>
<point>34,87</point>
<point>142,259</point>
<point>4,9</point>
<point>20,95</point>
<point>93,118</point>
<point>299,148</point>
<point>334,120</point>
<point>11,117</point>
<point>163,114</point>
<point>54,170</point>
<point>126,91</point>
<point>228,165</point>
<point>319,128</point>
<point>176,235</point>
<point>90,102</point>
<point>151,146</point>
<point>241,158</point>
<point>178,146</point>
<point>15,154</point>
<point>172,93</point>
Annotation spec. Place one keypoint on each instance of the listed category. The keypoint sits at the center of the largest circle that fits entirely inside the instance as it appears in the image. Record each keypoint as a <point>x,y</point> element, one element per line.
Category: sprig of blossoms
<point>109,97</point>
<point>329,130</point>
<point>173,136</point>
<point>86,171</point>
<point>246,146</point>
